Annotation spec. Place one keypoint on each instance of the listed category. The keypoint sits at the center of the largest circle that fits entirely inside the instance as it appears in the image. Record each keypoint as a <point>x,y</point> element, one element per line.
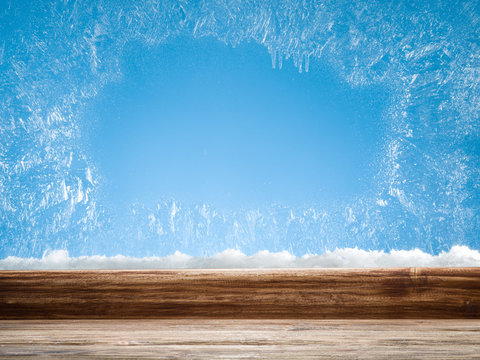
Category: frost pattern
<point>55,56</point>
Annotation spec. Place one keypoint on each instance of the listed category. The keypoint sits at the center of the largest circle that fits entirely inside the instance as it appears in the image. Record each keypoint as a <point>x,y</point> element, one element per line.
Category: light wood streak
<point>240,339</point>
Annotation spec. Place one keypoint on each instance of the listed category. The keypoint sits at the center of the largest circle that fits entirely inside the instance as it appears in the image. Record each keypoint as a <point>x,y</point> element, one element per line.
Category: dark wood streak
<point>414,293</point>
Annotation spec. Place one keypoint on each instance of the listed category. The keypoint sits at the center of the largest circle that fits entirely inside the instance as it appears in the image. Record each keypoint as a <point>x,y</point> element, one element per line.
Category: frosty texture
<point>55,56</point>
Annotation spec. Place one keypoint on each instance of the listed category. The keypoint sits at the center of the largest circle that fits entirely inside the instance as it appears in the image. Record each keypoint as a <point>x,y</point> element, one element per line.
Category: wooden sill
<point>402,293</point>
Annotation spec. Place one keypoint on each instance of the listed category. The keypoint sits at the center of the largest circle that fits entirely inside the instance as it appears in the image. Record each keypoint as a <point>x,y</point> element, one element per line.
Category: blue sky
<point>115,116</point>
<point>202,122</point>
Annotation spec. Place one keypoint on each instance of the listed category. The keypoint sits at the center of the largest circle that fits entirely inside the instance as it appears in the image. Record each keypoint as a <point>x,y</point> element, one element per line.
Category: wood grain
<point>244,339</point>
<point>414,293</point>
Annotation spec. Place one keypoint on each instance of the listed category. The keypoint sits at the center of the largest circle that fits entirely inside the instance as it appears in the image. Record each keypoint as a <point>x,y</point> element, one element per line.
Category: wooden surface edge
<point>234,339</point>
<point>394,293</point>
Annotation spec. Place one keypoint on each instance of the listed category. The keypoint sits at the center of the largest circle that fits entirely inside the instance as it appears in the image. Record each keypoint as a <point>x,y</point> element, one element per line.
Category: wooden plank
<point>242,294</point>
<point>245,339</point>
